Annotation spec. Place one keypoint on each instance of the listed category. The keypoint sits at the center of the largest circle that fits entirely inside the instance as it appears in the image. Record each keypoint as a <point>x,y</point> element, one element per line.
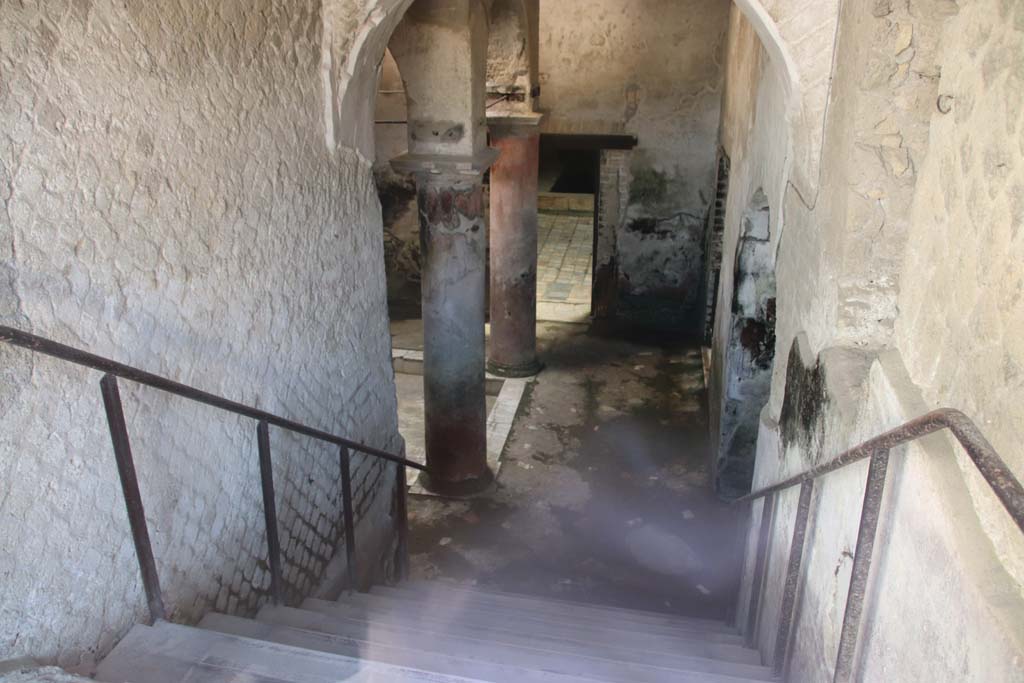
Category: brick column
<point>512,350</point>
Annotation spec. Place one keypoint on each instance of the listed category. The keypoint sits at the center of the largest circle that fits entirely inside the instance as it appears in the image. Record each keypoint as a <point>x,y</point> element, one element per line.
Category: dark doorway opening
<point>567,171</point>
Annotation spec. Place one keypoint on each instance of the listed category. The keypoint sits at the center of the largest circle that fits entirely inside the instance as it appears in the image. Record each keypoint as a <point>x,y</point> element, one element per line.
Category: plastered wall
<point>651,69</point>
<point>898,292</point>
<point>169,199</point>
<point>961,323</point>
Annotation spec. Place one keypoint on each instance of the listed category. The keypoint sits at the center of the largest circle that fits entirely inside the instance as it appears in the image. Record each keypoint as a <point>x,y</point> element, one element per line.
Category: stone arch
<point>352,49</point>
<point>806,79</point>
<point>441,49</point>
<point>750,351</point>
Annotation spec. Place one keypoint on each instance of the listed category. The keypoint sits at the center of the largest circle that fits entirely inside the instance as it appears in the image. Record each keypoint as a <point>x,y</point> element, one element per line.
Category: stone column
<point>453,240</point>
<point>512,350</point>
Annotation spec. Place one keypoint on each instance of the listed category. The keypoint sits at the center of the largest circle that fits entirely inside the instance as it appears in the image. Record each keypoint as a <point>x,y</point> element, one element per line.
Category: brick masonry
<point>713,246</point>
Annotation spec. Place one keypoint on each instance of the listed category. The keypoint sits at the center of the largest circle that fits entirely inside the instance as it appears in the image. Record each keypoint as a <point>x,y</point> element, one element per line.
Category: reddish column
<point>512,349</point>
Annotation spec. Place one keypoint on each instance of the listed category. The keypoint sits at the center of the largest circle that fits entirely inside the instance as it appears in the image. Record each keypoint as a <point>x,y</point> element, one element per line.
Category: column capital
<point>506,124</point>
<point>445,164</point>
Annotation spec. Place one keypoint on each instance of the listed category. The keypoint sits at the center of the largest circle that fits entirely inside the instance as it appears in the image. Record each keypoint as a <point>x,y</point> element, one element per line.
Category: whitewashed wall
<point>168,199</point>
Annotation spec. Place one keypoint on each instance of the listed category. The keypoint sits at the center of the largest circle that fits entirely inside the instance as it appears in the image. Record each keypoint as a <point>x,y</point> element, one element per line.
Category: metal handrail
<point>126,467</point>
<point>995,472</point>
<point>77,356</point>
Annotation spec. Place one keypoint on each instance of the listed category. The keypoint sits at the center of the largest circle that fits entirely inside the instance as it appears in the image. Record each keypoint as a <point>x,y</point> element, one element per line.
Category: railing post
<point>270,512</point>
<point>850,634</point>
<point>793,575</point>
<point>402,512</point>
<point>350,525</point>
<point>132,495</point>
<point>760,560</point>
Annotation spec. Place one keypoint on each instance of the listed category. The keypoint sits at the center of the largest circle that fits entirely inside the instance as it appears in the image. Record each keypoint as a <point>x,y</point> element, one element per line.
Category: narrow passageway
<point>603,493</point>
<point>564,260</point>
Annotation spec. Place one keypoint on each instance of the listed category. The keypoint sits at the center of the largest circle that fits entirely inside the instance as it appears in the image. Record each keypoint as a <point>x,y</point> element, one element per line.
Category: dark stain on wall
<point>396,193</point>
<point>648,226</point>
<point>758,338</point>
<point>649,187</point>
<point>802,420</point>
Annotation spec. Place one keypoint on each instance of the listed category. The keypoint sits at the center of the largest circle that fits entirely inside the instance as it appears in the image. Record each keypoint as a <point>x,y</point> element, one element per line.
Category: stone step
<point>446,619</point>
<point>363,643</point>
<point>502,646</point>
<point>607,630</point>
<point>551,606</point>
<point>169,653</point>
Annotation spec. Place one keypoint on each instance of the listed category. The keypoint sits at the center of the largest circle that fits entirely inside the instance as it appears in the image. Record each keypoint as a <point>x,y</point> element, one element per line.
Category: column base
<point>457,489</point>
<point>515,371</point>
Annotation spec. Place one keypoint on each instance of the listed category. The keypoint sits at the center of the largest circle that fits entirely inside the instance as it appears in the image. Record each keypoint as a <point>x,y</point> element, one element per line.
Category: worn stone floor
<point>604,494</point>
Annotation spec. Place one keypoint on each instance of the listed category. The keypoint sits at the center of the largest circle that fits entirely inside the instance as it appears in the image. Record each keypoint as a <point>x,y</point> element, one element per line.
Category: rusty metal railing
<point>129,482</point>
<point>995,472</point>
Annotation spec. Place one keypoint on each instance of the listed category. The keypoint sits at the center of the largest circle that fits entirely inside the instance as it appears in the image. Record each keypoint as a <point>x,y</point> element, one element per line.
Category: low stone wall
<point>940,604</point>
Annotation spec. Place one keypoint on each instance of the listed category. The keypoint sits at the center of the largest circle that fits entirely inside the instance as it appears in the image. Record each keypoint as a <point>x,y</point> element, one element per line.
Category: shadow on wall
<point>750,351</point>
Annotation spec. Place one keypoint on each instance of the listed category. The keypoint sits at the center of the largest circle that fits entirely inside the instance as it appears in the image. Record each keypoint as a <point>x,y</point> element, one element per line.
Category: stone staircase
<point>438,632</point>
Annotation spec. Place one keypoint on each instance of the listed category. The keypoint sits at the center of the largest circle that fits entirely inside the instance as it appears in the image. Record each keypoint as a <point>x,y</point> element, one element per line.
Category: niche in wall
<point>750,351</point>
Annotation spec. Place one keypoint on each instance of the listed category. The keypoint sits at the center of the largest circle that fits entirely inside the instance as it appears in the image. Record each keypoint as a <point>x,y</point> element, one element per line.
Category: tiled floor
<point>564,262</point>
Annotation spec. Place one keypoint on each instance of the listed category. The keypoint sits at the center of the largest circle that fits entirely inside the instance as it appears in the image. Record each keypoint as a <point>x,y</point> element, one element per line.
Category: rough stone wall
<point>649,68</point>
<point>961,323</point>
<point>168,200</point>
<point>508,51</point>
<point>899,284</point>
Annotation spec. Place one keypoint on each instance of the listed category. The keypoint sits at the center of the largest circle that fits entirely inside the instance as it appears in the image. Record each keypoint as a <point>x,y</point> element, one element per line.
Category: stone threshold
<point>563,312</point>
<point>564,202</point>
<point>509,394</point>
